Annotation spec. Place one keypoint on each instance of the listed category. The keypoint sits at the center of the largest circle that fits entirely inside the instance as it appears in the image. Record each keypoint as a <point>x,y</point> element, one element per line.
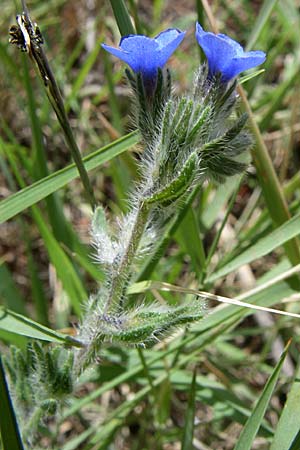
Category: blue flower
<point>226,56</point>
<point>145,55</point>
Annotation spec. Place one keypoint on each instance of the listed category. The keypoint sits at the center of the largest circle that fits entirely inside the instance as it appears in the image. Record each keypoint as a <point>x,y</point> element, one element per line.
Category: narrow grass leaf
<point>9,293</point>
<point>189,235</point>
<point>222,195</point>
<point>163,402</point>
<point>273,240</point>
<point>122,17</point>
<point>26,197</point>
<point>65,270</point>
<point>262,19</point>
<point>296,443</point>
<point>37,290</point>
<point>188,430</point>
<point>10,434</point>
<point>289,422</point>
<point>18,324</point>
<point>248,434</point>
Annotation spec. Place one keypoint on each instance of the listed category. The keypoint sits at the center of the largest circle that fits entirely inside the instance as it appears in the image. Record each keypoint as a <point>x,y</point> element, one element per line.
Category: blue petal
<point>226,56</point>
<point>218,50</point>
<point>135,42</point>
<point>145,54</point>
<point>236,47</point>
<point>126,57</point>
<point>168,42</point>
<point>241,63</point>
<point>139,52</point>
<point>166,37</point>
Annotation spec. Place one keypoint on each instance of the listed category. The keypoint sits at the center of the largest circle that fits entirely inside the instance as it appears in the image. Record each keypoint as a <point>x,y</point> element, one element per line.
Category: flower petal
<point>166,37</point>
<point>168,42</point>
<point>136,42</point>
<point>139,52</point>
<point>236,47</point>
<point>218,50</point>
<point>225,55</point>
<point>241,63</point>
<point>118,53</point>
<point>146,55</point>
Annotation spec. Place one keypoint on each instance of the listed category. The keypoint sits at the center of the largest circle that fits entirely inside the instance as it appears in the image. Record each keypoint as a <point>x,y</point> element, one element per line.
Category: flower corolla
<point>225,56</point>
<point>146,55</point>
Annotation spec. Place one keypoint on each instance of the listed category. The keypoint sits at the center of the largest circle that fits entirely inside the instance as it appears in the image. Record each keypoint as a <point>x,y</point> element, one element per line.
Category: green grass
<point>228,381</point>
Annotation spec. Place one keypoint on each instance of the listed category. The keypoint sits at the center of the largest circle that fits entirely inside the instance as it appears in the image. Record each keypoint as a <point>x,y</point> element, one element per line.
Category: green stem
<point>119,278</point>
<point>146,369</point>
<point>53,93</point>
<point>163,243</point>
<point>270,185</point>
<point>220,230</point>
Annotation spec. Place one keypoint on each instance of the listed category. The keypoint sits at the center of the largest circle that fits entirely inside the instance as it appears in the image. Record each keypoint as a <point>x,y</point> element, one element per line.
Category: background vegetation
<point>221,384</point>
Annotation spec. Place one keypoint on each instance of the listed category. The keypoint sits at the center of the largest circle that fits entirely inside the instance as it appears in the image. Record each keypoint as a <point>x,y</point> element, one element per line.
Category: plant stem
<point>163,242</point>
<point>146,369</point>
<point>119,278</point>
<point>33,42</point>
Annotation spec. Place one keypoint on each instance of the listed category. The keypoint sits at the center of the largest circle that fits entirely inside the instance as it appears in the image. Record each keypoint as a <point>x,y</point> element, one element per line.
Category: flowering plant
<point>186,141</point>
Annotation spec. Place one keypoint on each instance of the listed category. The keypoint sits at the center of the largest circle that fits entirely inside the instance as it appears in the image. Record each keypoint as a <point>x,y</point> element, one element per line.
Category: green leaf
<point>10,434</point>
<point>21,325</point>
<point>263,17</point>
<point>176,187</point>
<point>163,402</point>
<point>188,234</point>
<point>253,423</point>
<point>284,233</point>
<point>122,17</point>
<point>296,442</point>
<point>26,197</point>
<point>222,194</point>
<point>188,430</point>
<point>213,321</point>
<point>9,292</point>
<point>65,269</point>
<point>289,422</point>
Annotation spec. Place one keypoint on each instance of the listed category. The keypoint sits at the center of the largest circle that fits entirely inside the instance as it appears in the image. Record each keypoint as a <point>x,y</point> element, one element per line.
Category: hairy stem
<point>120,276</point>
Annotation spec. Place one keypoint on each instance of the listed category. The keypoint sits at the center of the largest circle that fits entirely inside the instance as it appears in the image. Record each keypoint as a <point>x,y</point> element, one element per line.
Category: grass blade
<point>264,246</point>
<point>9,293</point>
<point>122,17</point>
<point>65,270</point>
<point>261,20</point>
<point>253,423</point>
<point>189,236</point>
<point>37,191</point>
<point>13,322</point>
<point>188,431</point>
<point>10,435</point>
<point>296,443</point>
<point>289,423</point>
